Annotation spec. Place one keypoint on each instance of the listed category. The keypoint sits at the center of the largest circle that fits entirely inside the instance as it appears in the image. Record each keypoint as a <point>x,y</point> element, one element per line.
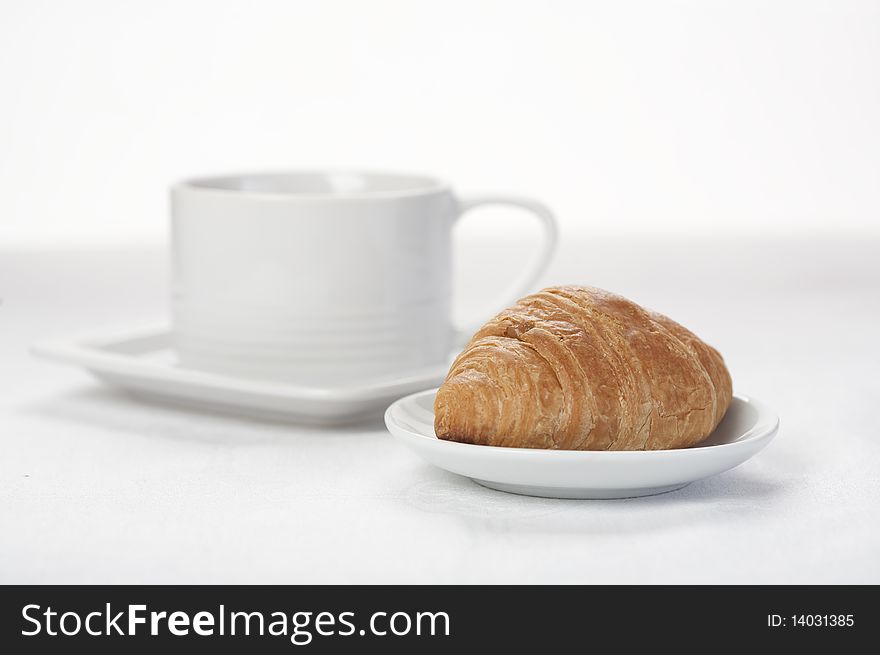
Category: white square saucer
<point>142,362</point>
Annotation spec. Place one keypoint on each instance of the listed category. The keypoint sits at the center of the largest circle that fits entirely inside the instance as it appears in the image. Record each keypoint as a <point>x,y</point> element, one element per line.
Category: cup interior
<point>318,183</point>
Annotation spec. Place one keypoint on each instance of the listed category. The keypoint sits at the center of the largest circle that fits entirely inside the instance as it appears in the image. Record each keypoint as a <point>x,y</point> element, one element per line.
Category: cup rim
<point>213,185</point>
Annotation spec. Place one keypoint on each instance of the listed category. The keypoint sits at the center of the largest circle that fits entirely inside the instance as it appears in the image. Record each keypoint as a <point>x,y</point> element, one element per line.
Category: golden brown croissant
<point>578,368</point>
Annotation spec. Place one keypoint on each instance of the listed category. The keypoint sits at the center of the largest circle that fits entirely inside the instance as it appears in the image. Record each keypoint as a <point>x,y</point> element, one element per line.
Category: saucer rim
<point>765,429</point>
<point>89,350</point>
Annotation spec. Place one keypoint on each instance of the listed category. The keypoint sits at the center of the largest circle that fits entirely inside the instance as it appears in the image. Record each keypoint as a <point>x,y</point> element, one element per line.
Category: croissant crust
<point>578,368</point>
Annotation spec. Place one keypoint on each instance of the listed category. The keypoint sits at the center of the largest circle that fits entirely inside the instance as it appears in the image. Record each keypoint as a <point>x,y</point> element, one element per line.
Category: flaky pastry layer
<point>578,368</point>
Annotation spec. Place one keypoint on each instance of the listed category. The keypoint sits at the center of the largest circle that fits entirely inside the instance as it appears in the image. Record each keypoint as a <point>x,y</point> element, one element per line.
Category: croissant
<point>579,368</point>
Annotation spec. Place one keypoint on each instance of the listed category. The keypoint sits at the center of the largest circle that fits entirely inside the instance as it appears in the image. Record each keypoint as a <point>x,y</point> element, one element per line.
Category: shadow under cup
<point>317,279</point>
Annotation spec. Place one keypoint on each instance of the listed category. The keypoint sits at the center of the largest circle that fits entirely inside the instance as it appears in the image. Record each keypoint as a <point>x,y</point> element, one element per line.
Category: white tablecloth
<point>96,487</point>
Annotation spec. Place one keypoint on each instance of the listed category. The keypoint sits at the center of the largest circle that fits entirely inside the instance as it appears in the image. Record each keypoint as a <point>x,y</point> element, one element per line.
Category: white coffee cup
<point>322,279</point>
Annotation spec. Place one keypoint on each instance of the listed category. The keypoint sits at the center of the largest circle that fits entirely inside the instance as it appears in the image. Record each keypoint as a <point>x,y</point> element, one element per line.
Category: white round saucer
<point>747,427</point>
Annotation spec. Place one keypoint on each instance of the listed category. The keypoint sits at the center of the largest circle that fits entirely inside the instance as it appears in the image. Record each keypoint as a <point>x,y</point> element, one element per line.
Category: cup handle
<point>532,271</point>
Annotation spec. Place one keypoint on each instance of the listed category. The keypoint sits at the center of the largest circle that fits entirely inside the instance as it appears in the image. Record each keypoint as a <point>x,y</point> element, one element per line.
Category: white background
<point>626,117</point>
